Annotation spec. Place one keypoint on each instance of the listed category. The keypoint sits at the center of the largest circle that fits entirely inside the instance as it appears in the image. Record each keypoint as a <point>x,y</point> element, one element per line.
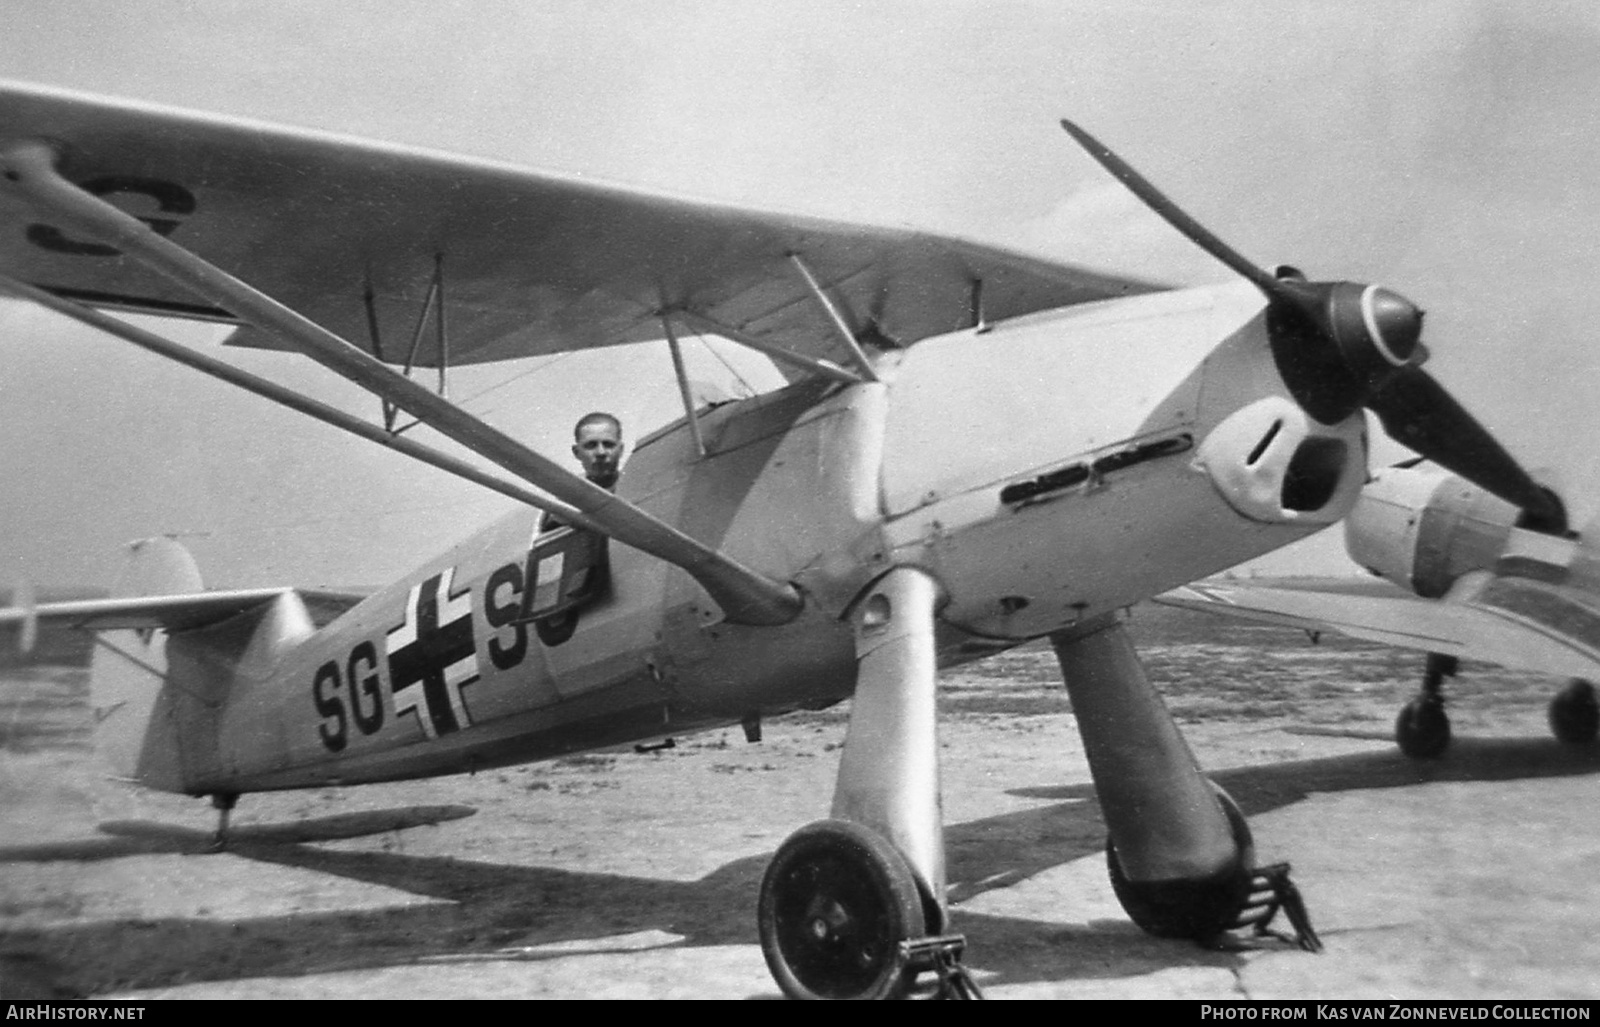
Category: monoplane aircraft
<point>1484,586</point>
<point>846,536</point>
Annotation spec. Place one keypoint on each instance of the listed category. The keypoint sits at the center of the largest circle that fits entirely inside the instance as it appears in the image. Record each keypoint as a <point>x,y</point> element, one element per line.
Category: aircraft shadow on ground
<point>490,908</point>
<point>1258,789</point>
<point>144,837</point>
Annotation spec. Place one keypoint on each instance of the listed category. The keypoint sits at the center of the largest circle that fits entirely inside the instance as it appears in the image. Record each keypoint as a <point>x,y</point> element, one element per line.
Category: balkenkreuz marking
<point>432,656</point>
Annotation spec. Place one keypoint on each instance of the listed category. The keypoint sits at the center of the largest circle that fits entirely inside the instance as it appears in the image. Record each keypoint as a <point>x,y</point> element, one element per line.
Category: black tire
<point>1196,909</point>
<point>1575,713</point>
<point>836,902</point>
<point>1422,730</point>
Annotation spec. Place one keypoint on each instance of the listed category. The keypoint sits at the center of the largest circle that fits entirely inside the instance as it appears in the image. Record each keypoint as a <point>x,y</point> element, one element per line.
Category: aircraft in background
<point>1484,586</point>
<point>976,448</point>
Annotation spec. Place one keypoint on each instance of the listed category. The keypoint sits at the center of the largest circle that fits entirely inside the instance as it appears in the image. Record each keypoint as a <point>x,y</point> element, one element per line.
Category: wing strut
<point>846,334</point>
<point>683,385</point>
<point>286,397</point>
<point>745,596</point>
<point>977,320</point>
<point>432,307</point>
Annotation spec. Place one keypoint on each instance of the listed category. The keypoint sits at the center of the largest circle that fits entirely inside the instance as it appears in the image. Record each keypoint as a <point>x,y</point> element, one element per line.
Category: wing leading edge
<point>173,612</point>
<point>364,238</point>
<point>1518,624</point>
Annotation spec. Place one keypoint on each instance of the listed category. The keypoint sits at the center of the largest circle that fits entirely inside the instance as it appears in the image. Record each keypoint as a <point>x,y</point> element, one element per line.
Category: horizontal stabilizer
<point>170,612</point>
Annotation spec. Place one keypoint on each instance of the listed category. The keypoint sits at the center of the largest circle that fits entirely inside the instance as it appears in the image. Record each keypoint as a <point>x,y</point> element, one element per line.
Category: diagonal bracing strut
<point>745,596</point>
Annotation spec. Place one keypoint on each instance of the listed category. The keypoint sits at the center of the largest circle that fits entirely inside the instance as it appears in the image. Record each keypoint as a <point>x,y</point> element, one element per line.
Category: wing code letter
<point>504,656</point>
<point>366,684</point>
<point>325,691</point>
<point>170,197</point>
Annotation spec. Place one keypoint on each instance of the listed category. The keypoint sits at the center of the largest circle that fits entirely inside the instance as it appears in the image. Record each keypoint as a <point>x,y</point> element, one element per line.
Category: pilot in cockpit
<point>597,443</point>
<point>569,567</point>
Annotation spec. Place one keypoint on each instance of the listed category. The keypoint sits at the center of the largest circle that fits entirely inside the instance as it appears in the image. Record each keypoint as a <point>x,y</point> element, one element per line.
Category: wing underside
<point>1495,621</point>
<point>371,240</point>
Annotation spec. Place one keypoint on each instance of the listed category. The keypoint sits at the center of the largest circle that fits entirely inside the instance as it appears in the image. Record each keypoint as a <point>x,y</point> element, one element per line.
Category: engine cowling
<point>1422,527</point>
<point>1276,464</point>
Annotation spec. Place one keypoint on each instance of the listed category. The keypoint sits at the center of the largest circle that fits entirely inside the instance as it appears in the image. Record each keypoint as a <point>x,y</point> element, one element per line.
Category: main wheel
<point>1196,909</point>
<point>1423,728</point>
<point>836,902</point>
<point>1575,713</point>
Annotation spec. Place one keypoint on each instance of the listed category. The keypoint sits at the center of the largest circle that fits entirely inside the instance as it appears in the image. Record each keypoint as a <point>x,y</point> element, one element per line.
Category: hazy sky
<point>1446,149</point>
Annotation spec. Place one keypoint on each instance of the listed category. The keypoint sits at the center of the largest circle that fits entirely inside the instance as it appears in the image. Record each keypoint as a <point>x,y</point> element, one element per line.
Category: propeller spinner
<point>1341,346</point>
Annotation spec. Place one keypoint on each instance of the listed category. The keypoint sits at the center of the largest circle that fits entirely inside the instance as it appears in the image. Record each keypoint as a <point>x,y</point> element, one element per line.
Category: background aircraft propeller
<point>1341,346</point>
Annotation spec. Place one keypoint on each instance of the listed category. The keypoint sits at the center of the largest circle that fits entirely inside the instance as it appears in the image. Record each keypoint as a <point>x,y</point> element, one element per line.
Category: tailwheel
<point>837,902</point>
<point>1575,713</point>
<point>1192,908</point>
<point>1423,728</point>
<point>223,803</point>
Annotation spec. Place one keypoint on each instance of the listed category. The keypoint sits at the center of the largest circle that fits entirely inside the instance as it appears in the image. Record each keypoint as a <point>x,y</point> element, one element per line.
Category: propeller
<point>1341,346</point>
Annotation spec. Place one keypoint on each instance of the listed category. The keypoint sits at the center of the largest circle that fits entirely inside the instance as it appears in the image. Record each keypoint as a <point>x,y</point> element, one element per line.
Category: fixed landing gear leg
<point>854,906</point>
<point>223,803</point>
<point>1422,730</point>
<point>1180,853</point>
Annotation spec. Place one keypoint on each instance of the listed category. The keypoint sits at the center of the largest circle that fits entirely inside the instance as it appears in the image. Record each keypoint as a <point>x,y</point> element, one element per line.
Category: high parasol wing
<point>369,239</point>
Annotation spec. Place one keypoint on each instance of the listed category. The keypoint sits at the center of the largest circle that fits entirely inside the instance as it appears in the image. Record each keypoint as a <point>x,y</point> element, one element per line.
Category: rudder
<point>136,720</point>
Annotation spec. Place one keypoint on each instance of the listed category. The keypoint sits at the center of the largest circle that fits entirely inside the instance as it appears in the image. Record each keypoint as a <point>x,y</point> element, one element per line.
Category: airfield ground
<point>625,875</point>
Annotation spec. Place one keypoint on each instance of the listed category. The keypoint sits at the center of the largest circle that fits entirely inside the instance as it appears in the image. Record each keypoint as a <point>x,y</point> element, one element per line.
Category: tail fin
<point>158,567</point>
<point>159,696</point>
<point>135,726</point>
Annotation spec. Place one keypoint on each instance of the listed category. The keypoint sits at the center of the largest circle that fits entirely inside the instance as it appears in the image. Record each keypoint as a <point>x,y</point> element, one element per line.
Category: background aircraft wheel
<point>1423,728</point>
<point>1196,909</point>
<point>836,902</point>
<point>1575,713</point>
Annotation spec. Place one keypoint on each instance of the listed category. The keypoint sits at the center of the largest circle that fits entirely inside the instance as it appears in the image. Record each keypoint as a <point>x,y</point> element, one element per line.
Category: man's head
<point>597,443</point>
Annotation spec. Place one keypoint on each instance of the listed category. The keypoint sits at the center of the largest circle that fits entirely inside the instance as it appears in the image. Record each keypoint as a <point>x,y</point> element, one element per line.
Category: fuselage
<point>1044,471</point>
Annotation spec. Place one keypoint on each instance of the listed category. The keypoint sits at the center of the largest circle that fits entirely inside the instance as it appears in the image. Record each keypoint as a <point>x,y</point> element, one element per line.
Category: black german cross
<point>432,656</point>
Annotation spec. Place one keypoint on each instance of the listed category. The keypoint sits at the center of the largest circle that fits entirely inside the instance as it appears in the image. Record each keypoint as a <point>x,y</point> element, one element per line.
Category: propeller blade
<point>1420,414</point>
<point>1340,346</point>
<point>1174,215</point>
